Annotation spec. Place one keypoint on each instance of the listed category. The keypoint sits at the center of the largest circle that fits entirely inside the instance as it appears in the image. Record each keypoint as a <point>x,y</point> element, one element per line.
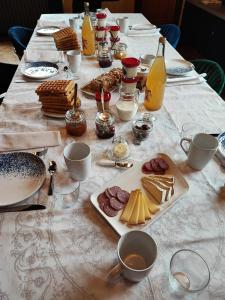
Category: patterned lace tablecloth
<point>67,254</point>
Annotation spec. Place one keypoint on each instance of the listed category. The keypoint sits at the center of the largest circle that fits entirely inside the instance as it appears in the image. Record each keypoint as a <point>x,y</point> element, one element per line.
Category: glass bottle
<point>127,105</point>
<point>156,80</point>
<point>88,35</point>
<point>104,55</point>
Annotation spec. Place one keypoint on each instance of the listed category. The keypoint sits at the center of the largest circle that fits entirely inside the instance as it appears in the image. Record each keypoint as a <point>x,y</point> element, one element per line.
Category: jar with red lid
<point>101,19</point>
<point>105,125</point>
<point>129,84</point>
<point>114,43</point>
<point>130,65</point>
<point>114,30</point>
<point>101,32</point>
<point>104,55</point>
<point>107,97</point>
<point>75,122</point>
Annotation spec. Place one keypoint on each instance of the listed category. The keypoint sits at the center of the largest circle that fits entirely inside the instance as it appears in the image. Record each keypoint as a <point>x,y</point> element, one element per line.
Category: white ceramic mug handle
<point>115,273</point>
<point>181,144</point>
<point>117,21</point>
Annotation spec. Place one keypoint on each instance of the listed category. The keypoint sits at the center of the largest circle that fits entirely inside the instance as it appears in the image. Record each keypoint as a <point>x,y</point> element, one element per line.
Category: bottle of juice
<point>88,34</point>
<point>156,80</point>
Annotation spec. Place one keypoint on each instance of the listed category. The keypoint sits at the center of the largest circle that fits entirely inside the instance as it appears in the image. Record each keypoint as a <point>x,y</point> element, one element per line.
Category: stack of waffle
<point>56,96</point>
<point>66,39</point>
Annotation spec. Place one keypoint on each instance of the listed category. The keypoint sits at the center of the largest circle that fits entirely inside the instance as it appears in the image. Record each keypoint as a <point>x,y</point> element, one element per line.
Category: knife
<point>24,207</point>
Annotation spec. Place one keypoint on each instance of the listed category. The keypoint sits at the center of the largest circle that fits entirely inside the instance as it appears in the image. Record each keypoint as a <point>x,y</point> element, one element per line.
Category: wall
<point>113,6</point>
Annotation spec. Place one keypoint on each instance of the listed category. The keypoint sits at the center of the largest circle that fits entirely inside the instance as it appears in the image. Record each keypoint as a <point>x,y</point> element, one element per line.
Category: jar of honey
<point>121,51</point>
<point>75,122</point>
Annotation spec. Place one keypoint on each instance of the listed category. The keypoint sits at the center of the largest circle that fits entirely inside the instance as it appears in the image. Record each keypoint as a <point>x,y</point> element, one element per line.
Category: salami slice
<point>102,200</point>
<point>163,164</point>
<point>144,170</point>
<point>108,193</point>
<point>155,165</point>
<point>148,166</point>
<point>109,211</point>
<point>116,204</point>
<point>113,190</point>
<point>123,196</point>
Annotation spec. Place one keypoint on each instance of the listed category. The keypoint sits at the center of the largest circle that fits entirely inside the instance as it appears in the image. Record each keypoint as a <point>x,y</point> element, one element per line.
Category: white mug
<point>74,60</point>
<point>201,150</point>
<point>75,23</point>
<point>136,252</point>
<point>77,157</point>
<point>123,23</point>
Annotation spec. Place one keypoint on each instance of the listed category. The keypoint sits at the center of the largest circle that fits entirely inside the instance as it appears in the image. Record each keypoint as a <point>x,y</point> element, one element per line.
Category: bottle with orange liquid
<point>156,80</point>
<point>88,34</point>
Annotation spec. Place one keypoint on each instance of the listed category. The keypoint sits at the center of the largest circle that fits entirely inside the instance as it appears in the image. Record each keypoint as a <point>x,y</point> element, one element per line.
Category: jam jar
<point>75,122</point>
<point>105,125</point>
<point>104,55</point>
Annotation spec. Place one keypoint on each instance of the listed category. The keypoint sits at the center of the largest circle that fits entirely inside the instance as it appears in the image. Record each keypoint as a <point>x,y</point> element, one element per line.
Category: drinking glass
<point>189,272</point>
<point>74,60</point>
<point>65,190</point>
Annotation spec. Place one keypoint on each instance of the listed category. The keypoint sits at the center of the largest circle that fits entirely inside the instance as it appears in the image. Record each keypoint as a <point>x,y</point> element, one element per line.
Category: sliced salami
<point>116,204</point>
<point>113,190</point>
<point>123,196</point>
<point>102,200</point>
<point>108,193</point>
<point>144,170</point>
<point>163,164</point>
<point>109,211</point>
<point>155,165</point>
<point>148,166</point>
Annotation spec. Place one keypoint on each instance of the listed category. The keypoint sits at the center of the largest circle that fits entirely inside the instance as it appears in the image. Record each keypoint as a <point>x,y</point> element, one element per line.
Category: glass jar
<point>75,122</point>
<point>127,105</point>
<point>121,51</point>
<point>104,55</point>
<point>107,97</point>
<point>142,127</point>
<point>105,125</point>
<point>120,149</point>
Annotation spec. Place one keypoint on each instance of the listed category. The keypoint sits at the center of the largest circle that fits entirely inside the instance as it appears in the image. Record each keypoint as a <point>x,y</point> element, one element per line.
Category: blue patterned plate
<point>221,146</point>
<point>178,67</point>
<point>40,70</point>
<point>21,175</point>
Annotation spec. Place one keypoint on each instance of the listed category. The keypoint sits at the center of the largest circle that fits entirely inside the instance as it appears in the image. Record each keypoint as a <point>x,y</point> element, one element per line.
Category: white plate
<point>131,180</point>
<point>178,67</point>
<point>53,115</point>
<point>21,175</point>
<point>143,26</point>
<point>221,146</point>
<point>39,70</point>
<point>47,30</point>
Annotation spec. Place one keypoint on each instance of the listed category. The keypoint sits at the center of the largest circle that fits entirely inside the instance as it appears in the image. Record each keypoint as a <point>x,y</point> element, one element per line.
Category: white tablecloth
<point>67,254</point>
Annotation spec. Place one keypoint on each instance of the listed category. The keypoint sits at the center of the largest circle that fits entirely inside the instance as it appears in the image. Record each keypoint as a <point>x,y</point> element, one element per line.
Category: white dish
<point>143,26</point>
<point>53,115</point>
<point>47,30</point>
<point>39,70</point>
<point>21,175</point>
<point>221,146</point>
<point>178,67</point>
<point>130,180</point>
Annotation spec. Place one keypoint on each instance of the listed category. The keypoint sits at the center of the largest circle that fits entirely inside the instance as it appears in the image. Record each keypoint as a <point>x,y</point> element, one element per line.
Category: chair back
<point>215,74</point>
<point>20,37</point>
<point>7,72</point>
<point>171,32</point>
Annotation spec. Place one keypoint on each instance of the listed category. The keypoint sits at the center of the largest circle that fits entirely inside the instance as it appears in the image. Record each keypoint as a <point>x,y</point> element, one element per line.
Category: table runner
<point>67,254</point>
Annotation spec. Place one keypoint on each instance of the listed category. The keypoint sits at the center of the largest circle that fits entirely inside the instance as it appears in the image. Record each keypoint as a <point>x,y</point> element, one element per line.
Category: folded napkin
<point>182,80</point>
<point>145,32</point>
<point>29,140</point>
<point>53,56</point>
<point>46,23</point>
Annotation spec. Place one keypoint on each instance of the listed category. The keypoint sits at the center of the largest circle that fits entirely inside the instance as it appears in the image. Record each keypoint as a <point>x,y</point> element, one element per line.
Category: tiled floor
<point>7,54</point>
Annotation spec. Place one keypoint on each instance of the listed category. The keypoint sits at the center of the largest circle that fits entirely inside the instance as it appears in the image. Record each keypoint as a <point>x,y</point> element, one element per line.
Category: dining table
<point>68,253</point>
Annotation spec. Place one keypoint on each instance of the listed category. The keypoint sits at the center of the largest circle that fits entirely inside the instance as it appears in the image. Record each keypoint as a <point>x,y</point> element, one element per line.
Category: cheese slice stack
<point>138,209</point>
<point>159,186</point>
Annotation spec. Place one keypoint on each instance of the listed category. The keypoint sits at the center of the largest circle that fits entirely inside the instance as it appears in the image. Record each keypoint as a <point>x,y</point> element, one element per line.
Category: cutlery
<point>24,207</point>
<point>116,164</point>
<point>187,78</point>
<point>51,169</point>
<point>26,81</point>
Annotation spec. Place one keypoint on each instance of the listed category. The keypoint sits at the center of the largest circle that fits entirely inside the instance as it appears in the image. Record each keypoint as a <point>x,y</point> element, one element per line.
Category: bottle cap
<point>115,28</point>
<point>101,16</point>
<point>129,80</point>
<point>107,96</point>
<point>130,62</point>
<point>101,28</point>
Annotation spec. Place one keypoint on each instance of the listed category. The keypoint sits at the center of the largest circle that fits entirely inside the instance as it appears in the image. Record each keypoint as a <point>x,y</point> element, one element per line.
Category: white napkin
<point>53,56</point>
<point>29,140</point>
<point>46,23</point>
<point>150,32</point>
<point>184,80</point>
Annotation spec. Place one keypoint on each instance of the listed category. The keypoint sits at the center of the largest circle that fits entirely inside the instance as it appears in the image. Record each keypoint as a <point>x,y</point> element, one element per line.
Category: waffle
<point>56,96</point>
<point>66,39</point>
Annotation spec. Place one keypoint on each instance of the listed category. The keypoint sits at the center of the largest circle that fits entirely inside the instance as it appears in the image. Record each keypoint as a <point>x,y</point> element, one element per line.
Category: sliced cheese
<point>148,215</point>
<point>157,192</point>
<point>135,213</point>
<point>152,207</point>
<point>163,185</point>
<point>141,217</point>
<point>127,212</point>
<point>167,180</point>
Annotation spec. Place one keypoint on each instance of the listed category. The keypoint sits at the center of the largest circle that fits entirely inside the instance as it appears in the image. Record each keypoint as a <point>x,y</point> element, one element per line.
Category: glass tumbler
<point>189,272</point>
<point>65,190</point>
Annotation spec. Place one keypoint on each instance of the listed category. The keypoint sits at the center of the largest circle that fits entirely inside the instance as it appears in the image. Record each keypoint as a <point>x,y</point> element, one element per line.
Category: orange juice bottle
<point>88,34</point>
<point>156,80</point>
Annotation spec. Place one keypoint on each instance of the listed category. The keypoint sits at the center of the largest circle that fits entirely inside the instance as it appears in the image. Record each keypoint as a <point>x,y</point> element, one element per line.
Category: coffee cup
<point>123,23</point>
<point>200,151</point>
<point>75,23</point>
<point>77,157</point>
<point>136,252</point>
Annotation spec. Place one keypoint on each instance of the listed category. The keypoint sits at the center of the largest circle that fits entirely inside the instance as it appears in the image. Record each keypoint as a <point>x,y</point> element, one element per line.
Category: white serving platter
<point>47,30</point>
<point>131,180</point>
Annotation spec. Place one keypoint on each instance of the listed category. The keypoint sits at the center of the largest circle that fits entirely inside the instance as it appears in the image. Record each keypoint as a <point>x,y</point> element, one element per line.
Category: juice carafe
<point>88,35</point>
<point>156,80</point>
